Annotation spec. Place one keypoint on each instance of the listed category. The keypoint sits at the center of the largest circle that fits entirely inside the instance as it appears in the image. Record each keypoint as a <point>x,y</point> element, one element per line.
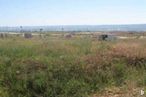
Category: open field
<point>55,66</point>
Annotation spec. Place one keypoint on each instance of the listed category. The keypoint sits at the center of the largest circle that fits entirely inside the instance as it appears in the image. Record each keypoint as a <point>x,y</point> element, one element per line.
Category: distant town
<point>75,28</point>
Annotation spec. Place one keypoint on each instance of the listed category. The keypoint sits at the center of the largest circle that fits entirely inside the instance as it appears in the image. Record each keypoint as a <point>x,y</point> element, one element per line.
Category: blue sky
<point>71,12</point>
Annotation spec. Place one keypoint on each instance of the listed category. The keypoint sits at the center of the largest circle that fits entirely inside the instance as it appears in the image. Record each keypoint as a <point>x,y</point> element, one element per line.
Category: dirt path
<point>120,92</point>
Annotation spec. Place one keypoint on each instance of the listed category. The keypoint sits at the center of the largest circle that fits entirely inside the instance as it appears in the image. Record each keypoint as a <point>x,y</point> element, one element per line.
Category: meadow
<point>74,67</point>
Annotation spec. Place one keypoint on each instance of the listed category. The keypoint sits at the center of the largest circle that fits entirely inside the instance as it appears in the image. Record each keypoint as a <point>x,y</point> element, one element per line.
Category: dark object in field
<point>27,35</point>
<point>68,36</point>
<point>106,37</point>
<point>2,35</point>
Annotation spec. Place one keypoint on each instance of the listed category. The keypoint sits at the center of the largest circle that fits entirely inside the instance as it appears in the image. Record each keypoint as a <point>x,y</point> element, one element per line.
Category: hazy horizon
<point>71,12</point>
<point>74,25</point>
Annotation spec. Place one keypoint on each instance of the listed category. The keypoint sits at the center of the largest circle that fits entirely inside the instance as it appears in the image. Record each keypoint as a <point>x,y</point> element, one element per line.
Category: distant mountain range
<point>76,28</point>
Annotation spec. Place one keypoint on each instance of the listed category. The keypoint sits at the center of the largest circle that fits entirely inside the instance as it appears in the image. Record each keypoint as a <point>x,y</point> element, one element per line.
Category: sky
<point>71,12</point>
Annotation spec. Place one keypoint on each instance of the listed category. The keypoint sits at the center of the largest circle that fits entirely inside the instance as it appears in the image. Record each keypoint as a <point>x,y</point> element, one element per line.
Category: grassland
<point>75,67</point>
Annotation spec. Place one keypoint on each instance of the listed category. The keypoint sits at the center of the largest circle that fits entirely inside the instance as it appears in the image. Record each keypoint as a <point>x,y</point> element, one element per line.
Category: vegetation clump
<point>68,68</point>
